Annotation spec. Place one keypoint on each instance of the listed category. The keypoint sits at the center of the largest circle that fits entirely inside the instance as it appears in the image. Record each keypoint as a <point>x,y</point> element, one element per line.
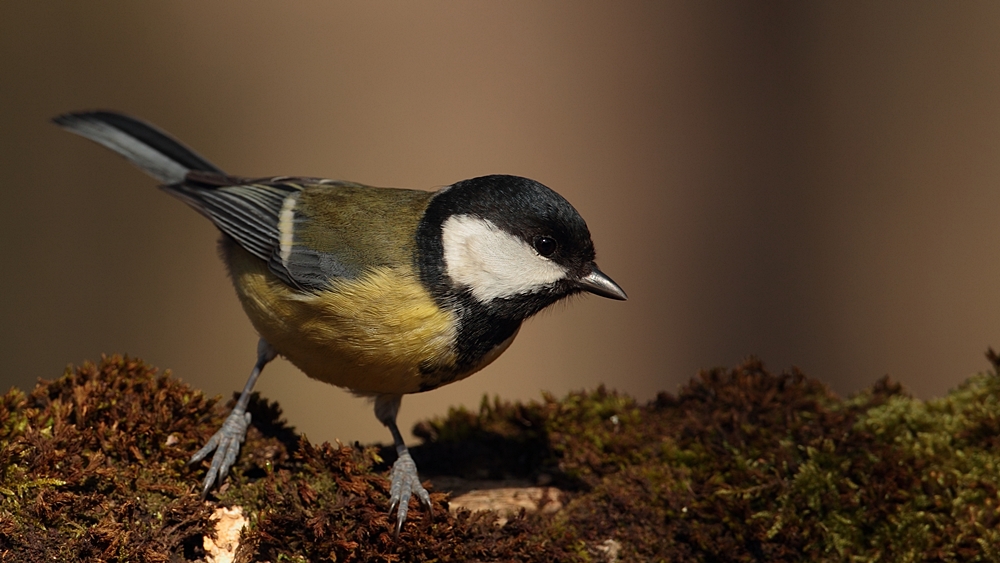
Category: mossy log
<point>740,465</point>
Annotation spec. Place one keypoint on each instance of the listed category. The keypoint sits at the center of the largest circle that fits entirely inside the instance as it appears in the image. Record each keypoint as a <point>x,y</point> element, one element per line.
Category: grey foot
<point>404,483</point>
<point>226,443</point>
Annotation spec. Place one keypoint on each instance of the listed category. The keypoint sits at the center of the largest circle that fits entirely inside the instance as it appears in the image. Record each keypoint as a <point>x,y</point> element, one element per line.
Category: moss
<point>739,465</point>
<point>92,467</point>
<point>743,465</point>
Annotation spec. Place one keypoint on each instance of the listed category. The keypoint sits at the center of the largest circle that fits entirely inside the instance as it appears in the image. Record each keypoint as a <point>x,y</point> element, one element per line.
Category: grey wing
<point>261,218</point>
<point>249,211</point>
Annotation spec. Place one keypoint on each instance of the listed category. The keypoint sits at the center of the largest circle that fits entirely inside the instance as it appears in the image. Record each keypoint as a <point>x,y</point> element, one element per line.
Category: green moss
<point>743,465</point>
<point>948,446</point>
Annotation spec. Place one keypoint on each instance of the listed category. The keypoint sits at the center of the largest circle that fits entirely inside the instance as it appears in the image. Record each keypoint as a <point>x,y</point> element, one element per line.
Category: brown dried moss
<point>93,467</point>
<point>740,465</point>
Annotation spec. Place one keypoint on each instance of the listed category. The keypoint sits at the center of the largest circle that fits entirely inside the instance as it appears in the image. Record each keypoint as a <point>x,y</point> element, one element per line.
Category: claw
<point>404,483</point>
<point>226,443</point>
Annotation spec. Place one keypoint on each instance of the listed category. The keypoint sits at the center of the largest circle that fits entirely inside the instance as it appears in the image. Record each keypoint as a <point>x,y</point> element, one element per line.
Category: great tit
<point>381,291</point>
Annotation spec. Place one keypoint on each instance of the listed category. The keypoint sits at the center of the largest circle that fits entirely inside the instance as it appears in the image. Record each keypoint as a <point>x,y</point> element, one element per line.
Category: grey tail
<point>153,151</point>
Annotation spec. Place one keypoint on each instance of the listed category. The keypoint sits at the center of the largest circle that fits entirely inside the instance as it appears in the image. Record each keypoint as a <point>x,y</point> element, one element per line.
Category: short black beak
<point>599,284</point>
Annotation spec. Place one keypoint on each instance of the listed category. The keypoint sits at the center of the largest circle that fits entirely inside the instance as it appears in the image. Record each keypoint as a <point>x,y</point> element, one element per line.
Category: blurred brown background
<point>814,183</point>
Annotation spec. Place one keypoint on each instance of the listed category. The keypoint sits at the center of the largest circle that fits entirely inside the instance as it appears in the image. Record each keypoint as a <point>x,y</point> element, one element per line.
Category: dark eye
<point>545,245</point>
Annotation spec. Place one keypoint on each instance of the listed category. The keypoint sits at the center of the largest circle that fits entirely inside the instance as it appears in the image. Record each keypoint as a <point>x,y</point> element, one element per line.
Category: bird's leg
<point>226,442</point>
<point>404,480</point>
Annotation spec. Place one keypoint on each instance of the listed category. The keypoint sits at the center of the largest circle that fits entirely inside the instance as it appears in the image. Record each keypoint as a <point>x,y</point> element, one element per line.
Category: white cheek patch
<point>491,262</point>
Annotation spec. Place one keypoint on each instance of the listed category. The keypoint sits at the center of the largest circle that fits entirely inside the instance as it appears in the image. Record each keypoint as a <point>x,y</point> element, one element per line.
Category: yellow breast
<point>379,333</point>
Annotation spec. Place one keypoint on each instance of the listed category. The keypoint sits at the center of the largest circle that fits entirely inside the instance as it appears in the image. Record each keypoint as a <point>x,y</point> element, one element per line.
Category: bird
<point>381,291</point>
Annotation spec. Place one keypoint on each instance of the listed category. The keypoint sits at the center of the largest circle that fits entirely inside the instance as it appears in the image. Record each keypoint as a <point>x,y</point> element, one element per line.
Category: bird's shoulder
<point>363,226</point>
<point>316,230</point>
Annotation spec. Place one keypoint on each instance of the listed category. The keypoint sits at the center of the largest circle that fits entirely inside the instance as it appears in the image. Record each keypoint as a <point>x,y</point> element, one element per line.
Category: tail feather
<point>153,151</point>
